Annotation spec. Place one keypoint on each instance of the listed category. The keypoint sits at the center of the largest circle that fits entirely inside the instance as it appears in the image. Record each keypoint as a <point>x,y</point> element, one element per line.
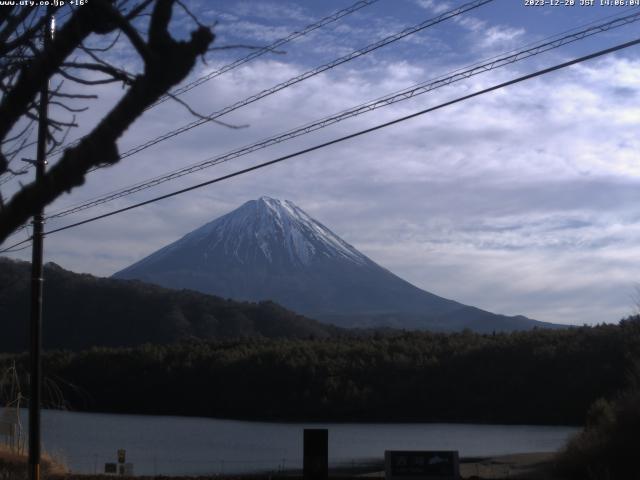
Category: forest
<point>83,311</point>
<point>535,377</point>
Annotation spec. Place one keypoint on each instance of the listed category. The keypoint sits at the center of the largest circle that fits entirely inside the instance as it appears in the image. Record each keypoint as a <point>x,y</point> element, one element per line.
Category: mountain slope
<point>82,311</point>
<point>271,249</point>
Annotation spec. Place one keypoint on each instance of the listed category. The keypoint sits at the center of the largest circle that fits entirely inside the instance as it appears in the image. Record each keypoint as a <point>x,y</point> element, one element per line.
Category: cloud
<point>522,201</point>
<point>471,23</point>
<point>488,37</point>
<point>434,6</point>
<point>501,36</point>
<point>272,11</point>
<point>254,31</point>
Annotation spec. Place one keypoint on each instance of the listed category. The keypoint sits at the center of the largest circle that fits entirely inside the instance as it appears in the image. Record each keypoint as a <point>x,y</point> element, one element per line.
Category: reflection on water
<point>180,445</point>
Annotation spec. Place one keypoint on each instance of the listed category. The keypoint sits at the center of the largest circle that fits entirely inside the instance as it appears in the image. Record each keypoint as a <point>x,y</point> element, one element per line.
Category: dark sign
<point>316,454</point>
<point>110,468</point>
<point>422,464</point>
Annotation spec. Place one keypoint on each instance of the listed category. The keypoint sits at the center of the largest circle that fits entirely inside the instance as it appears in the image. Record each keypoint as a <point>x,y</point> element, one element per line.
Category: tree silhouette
<point>69,61</point>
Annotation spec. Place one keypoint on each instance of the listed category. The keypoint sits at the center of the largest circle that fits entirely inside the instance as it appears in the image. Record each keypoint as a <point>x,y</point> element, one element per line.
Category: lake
<point>182,445</point>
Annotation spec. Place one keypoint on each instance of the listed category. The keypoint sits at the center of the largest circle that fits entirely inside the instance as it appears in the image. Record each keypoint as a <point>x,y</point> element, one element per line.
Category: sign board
<point>128,469</point>
<point>111,468</point>
<point>122,455</point>
<point>316,454</point>
<point>422,465</point>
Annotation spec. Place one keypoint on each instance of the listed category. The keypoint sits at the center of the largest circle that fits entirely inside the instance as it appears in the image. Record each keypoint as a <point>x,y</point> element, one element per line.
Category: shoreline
<point>532,466</point>
<point>313,422</point>
<point>535,465</point>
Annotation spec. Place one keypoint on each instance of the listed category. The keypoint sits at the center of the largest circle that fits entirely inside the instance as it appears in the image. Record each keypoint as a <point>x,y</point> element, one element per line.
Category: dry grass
<point>13,465</point>
<point>532,466</point>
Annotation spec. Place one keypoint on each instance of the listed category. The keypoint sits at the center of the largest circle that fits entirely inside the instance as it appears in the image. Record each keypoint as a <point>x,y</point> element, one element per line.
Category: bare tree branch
<point>15,101</point>
<point>190,14</point>
<point>132,34</point>
<point>73,95</point>
<point>83,81</point>
<point>106,48</point>
<point>67,107</point>
<point>166,63</point>
<point>18,135</point>
<point>138,9</point>
<point>204,117</point>
<point>115,73</point>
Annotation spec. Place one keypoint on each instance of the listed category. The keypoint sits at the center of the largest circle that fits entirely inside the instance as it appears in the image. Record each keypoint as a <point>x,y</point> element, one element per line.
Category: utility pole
<point>35,320</point>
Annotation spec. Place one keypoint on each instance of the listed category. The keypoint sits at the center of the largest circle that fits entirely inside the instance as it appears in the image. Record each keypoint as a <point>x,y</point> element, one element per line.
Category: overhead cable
<point>354,135</point>
<point>269,48</point>
<point>251,56</point>
<point>419,89</point>
<point>308,74</point>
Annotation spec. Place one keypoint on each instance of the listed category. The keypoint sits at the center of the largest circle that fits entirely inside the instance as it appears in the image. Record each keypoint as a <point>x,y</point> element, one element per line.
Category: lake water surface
<point>182,445</point>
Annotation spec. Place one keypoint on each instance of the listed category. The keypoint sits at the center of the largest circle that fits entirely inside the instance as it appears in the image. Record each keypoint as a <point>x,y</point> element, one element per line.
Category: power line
<point>304,76</point>
<point>12,248</point>
<point>8,175</point>
<point>11,175</point>
<point>253,55</point>
<point>308,74</point>
<point>355,54</point>
<point>17,231</point>
<point>269,48</point>
<point>356,134</point>
<point>419,89</point>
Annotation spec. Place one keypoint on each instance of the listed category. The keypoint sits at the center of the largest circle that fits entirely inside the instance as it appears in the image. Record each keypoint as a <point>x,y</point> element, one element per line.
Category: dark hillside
<point>81,311</point>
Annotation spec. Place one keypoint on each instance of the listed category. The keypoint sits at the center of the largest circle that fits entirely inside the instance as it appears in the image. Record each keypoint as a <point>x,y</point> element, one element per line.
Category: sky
<point>524,201</point>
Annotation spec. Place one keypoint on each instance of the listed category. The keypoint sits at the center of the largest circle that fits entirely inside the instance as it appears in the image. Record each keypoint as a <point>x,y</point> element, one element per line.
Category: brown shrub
<point>13,466</point>
<point>607,449</point>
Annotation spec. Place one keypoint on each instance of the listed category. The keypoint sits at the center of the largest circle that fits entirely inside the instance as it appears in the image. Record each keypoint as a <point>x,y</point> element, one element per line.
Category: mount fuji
<point>269,249</point>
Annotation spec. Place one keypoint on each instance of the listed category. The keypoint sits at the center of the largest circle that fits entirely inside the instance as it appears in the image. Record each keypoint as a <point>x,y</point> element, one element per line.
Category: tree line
<point>535,377</point>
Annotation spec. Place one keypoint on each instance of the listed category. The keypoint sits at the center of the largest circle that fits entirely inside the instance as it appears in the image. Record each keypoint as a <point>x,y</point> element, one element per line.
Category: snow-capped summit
<point>266,230</point>
<point>269,249</point>
<point>304,237</point>
<point>276,227</point>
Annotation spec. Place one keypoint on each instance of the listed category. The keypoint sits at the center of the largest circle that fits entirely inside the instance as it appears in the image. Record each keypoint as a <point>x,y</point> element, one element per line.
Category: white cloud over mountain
<point>525,200</point>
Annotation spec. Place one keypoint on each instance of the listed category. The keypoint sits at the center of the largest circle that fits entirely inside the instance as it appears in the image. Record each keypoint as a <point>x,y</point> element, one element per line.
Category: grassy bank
<point>533,466</point>
<point>13,465</point>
